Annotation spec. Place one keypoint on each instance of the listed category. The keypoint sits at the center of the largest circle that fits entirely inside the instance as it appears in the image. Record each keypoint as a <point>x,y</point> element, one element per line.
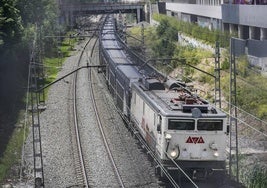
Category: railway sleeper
<point>38,182</point>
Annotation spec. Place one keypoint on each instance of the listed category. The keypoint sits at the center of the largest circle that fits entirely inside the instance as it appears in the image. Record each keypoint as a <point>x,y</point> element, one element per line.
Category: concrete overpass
<point>69,11</point>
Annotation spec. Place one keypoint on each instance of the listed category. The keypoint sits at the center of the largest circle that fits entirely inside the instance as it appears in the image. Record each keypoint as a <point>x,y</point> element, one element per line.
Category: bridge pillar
<point>138,15</point>
<point>68,18</point>
<point>71,19</point>
<point>62,19</point>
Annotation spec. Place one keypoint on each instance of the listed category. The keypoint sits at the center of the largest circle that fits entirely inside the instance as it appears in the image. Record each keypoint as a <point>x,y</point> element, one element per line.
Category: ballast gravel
<point>59,169</point>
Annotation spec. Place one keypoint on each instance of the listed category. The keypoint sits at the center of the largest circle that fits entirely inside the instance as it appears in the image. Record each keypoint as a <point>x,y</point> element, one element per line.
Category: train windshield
<point>181,124</point>
<point>209,125</point>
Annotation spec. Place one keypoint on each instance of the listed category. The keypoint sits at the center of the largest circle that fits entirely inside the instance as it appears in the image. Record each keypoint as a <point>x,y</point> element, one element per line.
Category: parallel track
<point>79,160</point>
<point>78,153</point>
<point>100,125</point>
<point>81,170</point>
<point>80,164</point>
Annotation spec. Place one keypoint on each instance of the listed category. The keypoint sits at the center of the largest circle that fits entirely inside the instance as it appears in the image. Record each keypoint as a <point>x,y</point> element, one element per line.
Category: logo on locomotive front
<point>195,140</point>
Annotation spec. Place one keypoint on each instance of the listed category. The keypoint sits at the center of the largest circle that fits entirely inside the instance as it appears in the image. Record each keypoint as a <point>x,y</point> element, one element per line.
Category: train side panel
<point>125,76</point>
<point>146,119</point>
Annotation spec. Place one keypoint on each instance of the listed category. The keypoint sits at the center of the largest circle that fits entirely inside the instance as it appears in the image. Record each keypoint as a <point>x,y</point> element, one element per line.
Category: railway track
<point>78,153</point>
<point>100,125</point>
<point>91,166</point>
<point>115,136</point>
<point>79,160</point>
<point>82,164</point>
<point>82,168</point>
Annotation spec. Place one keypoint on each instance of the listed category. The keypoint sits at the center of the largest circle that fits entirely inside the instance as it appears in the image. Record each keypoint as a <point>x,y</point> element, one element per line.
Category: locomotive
<point>183,131</point>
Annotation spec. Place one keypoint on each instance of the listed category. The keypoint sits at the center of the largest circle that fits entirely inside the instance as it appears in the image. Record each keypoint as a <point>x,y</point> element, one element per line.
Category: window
<point>210,125</point>
<point>181,124</point>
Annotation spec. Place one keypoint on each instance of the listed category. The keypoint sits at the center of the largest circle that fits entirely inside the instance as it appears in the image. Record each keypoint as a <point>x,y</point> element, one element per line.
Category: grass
<point>53,64</point>
<point>12,154</point>
<point>254,176</point>
<point>258,177</point>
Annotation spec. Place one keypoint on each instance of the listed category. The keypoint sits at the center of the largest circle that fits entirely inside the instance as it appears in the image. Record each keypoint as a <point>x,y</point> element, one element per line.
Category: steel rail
<point>76,124</point>
<point>100,125</point>
<point>75,115</point>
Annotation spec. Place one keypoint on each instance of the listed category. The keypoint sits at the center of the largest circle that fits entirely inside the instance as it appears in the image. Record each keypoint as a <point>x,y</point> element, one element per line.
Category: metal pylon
<point>233,158</point>
<point>36,133</point>
<point>39,68</point>
<point>217,72</point>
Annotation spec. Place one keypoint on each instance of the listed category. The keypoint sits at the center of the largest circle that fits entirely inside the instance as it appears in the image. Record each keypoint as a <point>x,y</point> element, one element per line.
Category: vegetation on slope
<point>196,31</point>
<point>163,43</point>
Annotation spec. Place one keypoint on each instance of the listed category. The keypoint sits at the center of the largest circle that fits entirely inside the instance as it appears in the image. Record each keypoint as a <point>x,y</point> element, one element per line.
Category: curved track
<point>78,153</point>
<point>82,169</point>
<point>100,125</point>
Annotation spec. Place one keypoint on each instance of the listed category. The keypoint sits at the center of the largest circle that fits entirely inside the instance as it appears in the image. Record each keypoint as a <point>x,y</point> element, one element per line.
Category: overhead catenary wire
<point>243,80</point>
<point>242,121</point>
<point>245,123</point>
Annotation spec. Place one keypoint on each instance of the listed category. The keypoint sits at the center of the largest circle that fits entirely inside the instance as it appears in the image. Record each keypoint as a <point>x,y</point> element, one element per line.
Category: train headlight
<point>216,154</point>
<point>174,152</point>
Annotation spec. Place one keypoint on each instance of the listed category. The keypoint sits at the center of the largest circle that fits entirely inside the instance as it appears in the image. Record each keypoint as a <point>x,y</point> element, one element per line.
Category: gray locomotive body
<point>182,130</point>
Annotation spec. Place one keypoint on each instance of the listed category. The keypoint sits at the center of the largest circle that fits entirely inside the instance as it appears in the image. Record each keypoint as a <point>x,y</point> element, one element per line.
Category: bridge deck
<point>100,6</point>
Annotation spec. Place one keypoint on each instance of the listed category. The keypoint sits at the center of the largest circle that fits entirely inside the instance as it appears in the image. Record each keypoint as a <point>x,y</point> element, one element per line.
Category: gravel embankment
<point>132,164</point>
<point>56,142</point>
<point>59,167</point>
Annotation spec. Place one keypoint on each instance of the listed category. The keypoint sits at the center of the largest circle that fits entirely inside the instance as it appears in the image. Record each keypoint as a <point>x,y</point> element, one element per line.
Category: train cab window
<point>181,124</point>
<point>209,125</point>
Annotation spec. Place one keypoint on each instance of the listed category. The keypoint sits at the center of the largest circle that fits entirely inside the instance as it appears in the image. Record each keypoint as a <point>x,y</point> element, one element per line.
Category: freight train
<point>183,131</point>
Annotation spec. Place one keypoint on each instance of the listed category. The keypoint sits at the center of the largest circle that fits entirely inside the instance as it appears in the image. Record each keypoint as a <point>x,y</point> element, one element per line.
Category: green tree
<point>164,48</point>
<point>192,29</point>
<point>2,19</point>
<point>167,36</point>
<point>166,30</point>
<point>32,11</point>
<point>10,24</point>
<point>42,13</point>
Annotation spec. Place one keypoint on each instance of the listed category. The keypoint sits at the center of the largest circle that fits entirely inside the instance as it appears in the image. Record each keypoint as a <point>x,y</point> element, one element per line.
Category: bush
<point>258,177</point>
<point>225,65</point>
<point>201,33</point>
<point>262,111</point>
<point>242,66</point>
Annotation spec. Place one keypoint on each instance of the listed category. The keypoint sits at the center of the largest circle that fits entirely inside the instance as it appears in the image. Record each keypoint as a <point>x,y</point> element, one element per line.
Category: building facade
<point>246,18</point>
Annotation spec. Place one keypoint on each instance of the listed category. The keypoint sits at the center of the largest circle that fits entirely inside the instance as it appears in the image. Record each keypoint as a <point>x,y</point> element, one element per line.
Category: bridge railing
<point>95,6</point>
